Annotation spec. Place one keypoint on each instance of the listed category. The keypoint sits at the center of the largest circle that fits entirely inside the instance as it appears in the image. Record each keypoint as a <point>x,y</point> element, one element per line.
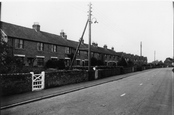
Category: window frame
<point>40,46</point>
<point>19,44</point>
<point>67,50</point>
<point>39,63</point>
<point>53,48</point>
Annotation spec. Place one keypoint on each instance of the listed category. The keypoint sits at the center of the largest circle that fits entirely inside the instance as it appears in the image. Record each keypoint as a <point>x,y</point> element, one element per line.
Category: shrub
<point>122,62</point>
<point>59,64</point>
<point>93,61</point>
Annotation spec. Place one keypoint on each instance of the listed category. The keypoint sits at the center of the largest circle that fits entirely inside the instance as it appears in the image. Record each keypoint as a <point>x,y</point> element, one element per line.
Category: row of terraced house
<point>35,47</point>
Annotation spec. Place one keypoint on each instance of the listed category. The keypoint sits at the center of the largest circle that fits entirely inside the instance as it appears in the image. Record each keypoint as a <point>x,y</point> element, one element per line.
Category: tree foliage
<point>122,62</point>
<point>59,64</point>
<point>96,62</point>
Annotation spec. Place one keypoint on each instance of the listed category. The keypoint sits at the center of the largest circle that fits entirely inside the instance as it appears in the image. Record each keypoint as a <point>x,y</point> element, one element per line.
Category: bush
<point>59,64</point>
<point>11,65</point>
<point>122,62</point>
<point>100,63</point>
<point>95,62</point>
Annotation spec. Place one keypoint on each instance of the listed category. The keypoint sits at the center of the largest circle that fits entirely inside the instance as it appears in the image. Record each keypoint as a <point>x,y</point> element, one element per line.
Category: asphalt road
<point>147,93</point>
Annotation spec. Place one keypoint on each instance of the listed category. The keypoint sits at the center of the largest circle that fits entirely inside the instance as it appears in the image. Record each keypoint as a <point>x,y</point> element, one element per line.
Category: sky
<point>121,24</point>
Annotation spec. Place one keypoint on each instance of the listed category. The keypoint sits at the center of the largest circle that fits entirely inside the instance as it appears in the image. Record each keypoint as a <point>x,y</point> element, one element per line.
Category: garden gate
<point>38,81</point>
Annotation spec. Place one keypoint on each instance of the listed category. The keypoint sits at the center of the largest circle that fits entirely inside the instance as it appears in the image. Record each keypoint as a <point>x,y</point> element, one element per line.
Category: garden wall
<point>103,73</point>
<point>127,70</point>
<point>22,82</point>
<point>15,83</point>
<point>59,78</point>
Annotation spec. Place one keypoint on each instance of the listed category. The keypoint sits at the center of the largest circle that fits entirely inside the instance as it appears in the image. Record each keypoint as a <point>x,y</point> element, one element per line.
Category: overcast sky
<point>121,24</point>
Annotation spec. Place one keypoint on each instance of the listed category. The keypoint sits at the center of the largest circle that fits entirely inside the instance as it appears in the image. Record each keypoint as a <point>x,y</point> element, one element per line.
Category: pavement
<point>24,98</point>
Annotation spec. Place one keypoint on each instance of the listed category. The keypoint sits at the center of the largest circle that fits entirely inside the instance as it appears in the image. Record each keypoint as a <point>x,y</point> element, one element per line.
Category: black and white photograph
<point>87,57</point>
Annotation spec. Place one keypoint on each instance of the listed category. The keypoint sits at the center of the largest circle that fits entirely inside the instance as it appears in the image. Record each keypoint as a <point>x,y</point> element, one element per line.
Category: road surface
<point>147,93</point>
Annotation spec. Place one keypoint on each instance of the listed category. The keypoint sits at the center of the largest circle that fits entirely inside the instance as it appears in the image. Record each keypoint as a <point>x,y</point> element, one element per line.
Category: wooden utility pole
<point>154,56</point>
<point>140,48</point>
<point>173,32</point>
<point>89,44</point>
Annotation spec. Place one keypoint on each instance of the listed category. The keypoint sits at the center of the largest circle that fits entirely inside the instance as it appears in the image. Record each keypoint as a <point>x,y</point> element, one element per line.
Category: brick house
<point>35,47</point>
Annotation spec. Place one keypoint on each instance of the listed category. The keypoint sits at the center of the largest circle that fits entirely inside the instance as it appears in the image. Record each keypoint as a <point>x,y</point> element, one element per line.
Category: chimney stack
<point>112,48</point>
<point>94,44</point>
<point>82,42</point>
<point>105,46</point>
<point>36,26</point>
<point>63,35</point>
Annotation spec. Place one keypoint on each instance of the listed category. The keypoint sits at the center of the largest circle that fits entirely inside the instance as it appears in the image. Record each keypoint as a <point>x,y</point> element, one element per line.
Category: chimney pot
<point>105,46</point>
<point>36,26</point>
<point>94,44</point>
<point>63,35</point>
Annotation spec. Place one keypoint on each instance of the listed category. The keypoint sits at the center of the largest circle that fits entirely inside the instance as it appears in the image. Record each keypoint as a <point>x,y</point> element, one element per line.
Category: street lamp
<point>94,19</point>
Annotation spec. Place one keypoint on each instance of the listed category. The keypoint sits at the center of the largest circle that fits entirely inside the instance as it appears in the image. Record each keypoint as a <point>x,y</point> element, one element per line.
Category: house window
<point>113,57</point>
<point>53,48</point>
<point>78,52</point>
<point>98,55</point>
<point>105,56</point>
<point>86,53</point>
<point>19,43</point>
<point>78,62</point>
<point>67,50</point>
<point>19,59</point>
<point>40,46</point>
<point>54,58</point>
<point>86,62</point>
<point>67,61</point>
<point>40,61</point>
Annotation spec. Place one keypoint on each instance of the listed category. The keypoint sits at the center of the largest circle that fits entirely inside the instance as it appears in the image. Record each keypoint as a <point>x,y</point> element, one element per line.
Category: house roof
<point>15,31</point>
<point>30,34</point>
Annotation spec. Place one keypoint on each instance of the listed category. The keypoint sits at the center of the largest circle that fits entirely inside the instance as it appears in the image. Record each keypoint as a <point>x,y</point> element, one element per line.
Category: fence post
<point>43,79</point>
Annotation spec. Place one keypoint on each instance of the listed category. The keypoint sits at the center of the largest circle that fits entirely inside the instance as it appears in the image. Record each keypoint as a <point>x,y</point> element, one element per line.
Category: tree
<point>3,51</point>
<point>130,63</point>
<point>59,64</point>
<point>94,61</point>
<point>122,62</point>
<point>6,61</point>
<point>100,63</point>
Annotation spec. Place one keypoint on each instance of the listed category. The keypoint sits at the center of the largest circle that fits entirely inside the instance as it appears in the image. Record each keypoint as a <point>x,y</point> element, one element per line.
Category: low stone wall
<point>103,73</point>
<point>15,83</point>
<point>22,82</point>
<point>127,70</point>
<point>59,78</point>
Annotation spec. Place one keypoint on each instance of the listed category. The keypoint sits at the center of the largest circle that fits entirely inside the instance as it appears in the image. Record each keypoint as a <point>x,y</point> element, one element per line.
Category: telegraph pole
<point>140,48</point>
<point>154,55</point>
<point>0,11</point>
<point>173,32</point>
<point>89,44</point>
